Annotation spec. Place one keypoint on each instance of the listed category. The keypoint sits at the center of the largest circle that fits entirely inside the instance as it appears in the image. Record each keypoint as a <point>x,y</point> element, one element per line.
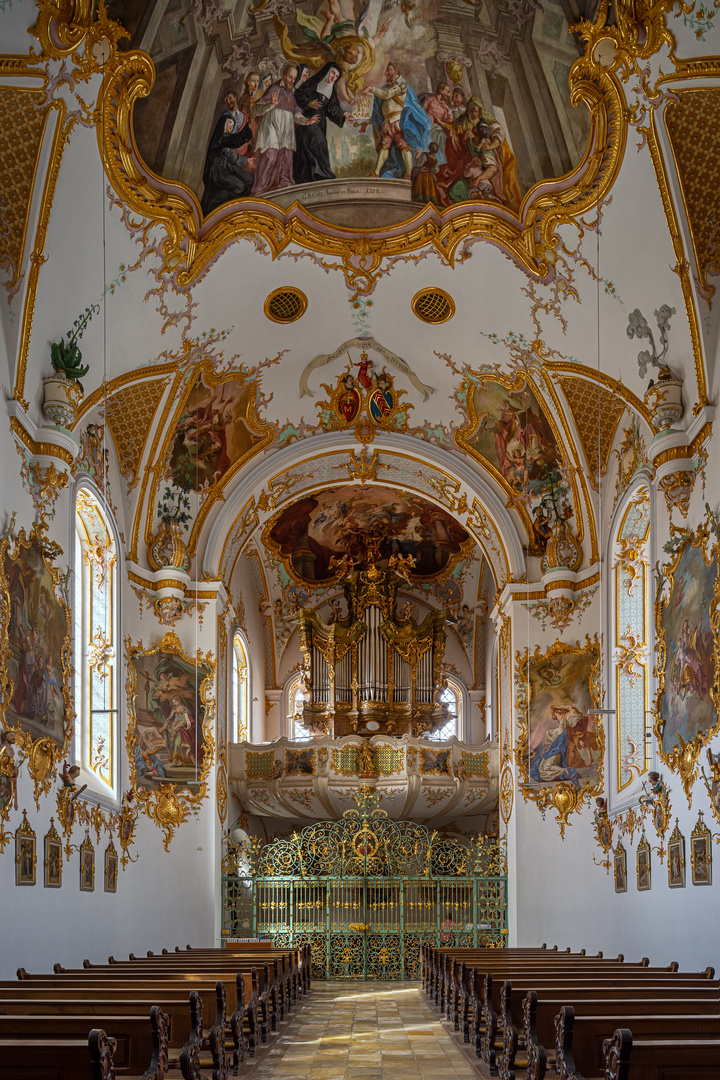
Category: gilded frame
<point>257,427</point>
<point>87,866</point>
<point>274,547</point>
<point>169,804</point>
<point>53,867</point>
<point>110,876</point>
<point>676,859</point>
<point>42,752</point>
<point>643,868</point>
<point>563,796</point>
<point>701,853</point>
<point>620,868</point>
<point>25,853</point>
<point>512,383</point>
<point>683,758</point>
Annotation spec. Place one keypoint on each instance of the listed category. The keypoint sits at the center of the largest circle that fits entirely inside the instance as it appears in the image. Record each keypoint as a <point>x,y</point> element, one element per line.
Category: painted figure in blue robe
<point>402,125</point>
<point>549,762</point>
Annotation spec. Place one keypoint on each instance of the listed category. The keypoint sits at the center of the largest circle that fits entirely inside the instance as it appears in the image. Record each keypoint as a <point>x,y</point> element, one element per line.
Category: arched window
<point>452,696</point>
<point>631,565</point>
<point>96,690</point>
<point>295,697</point>
<point>240,690</point>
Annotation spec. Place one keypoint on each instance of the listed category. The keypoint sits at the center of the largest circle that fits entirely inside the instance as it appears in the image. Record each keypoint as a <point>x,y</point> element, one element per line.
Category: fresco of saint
<point>370,90</point>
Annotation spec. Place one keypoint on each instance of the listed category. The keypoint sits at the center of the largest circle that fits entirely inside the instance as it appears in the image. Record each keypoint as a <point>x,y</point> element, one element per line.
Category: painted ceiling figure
<point>228,174</point>
<point>317,97</point>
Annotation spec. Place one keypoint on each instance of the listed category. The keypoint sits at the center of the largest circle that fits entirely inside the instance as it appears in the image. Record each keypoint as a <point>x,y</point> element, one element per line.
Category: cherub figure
<point>402,565</point>
<point>277,769</point>
<point>407,609</point>
<point>461,771</point>
<point>343,564</point>
<point>8,766</point>
<point>335,611</point>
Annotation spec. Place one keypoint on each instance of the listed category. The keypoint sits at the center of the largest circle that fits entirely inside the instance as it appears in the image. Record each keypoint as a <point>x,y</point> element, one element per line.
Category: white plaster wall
<point>564,899</point>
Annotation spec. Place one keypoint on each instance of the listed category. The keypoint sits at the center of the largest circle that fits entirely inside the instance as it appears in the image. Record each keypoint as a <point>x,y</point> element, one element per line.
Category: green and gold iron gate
<point>366,892</point>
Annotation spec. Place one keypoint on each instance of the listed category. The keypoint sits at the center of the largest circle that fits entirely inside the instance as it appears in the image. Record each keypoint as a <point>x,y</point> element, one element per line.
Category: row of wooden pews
<point>524,1010</point>
<point>210,1010</point>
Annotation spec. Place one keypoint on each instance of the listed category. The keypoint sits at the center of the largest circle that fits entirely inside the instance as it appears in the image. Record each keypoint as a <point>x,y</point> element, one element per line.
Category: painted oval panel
<point>348,520</point>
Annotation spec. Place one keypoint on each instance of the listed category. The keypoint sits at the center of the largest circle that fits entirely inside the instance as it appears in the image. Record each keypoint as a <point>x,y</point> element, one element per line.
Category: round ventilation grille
<point>433,305</point>
<point>285,305</point>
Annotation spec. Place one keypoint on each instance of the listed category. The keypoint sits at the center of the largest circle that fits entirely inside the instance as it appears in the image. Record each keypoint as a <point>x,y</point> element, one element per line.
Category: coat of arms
<point>364,398</point>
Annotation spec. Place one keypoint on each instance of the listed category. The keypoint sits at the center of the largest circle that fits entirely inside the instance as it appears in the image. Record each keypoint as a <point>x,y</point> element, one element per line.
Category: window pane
<point>96,636</point>
<point>452,697</point>
<point>240,690</point>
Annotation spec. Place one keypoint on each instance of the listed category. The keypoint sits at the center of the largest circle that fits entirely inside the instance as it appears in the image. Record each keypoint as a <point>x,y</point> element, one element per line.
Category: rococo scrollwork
<point>687,626</point>
<point>35,656</point>
<point>169,737</point>
<point>561,741</point>
<point>86,34</point>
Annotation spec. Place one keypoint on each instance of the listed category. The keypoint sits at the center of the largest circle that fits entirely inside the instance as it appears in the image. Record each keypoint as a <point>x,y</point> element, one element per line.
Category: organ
<point>376,670</point>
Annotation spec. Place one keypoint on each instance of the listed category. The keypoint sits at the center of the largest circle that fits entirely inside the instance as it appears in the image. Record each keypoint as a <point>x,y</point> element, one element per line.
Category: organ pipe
<point>374,670</point>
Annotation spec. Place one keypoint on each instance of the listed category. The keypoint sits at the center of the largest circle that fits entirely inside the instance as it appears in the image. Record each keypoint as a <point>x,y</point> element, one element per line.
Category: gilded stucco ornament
<point>74,29</point>
<point>603,832</point>
<point>171,688</point>
<point>561,744</point>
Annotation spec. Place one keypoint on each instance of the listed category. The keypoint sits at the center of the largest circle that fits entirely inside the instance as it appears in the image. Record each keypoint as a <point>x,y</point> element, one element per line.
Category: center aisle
<point>364,1031</point>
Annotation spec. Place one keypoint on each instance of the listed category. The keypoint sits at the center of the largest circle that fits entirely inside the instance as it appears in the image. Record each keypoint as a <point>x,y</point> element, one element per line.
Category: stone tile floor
<point>364,1031</point>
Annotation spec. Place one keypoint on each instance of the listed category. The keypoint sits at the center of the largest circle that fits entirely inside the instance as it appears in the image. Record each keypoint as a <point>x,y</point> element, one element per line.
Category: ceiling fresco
<point>430,103</point>
<point>353,521</point>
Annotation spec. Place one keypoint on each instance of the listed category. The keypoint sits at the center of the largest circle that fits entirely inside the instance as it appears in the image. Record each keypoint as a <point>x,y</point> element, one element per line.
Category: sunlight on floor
<point>383,1031</point>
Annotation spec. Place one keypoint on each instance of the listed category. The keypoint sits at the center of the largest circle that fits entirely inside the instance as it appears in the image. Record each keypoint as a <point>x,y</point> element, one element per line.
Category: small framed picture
<point>53,859</point>
<point>701,853</point>
<point>25,854</point>
<point>643,866</point>
<point>676,859</point>
<point>87,866</point>
<point>620,864</point>
<point>111,868</point>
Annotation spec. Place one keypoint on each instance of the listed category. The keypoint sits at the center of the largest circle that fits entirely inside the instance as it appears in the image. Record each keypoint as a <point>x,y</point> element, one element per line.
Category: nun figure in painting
<point>317,97</point>
<point>279,114</point>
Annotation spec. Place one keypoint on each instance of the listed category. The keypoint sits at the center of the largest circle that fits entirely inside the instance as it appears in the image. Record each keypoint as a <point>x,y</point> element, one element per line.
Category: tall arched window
<point>630,557</point>
<point>452,696</point>
<point>295,698</point>
<point>240,690</point>
<point>96,691</point>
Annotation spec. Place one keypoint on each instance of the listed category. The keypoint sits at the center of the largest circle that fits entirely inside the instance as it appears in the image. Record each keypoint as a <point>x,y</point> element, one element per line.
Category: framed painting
<point>620,868</point>
<point>561,741</point>
<point>25,853</point>
<point>111,868</point>
<point>212,154</point>
<point>642,865</point>
<point>701,853</point>
<point>510,435</point>
<point>53,862</point>
<point>35,649</point>
<point>687,623</point>
<point>676,859</point>
<point>87,866</point>
<point>169,737</point>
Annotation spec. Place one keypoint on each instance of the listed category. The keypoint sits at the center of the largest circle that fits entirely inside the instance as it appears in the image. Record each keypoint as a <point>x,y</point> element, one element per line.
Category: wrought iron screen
<point>366,892</point>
